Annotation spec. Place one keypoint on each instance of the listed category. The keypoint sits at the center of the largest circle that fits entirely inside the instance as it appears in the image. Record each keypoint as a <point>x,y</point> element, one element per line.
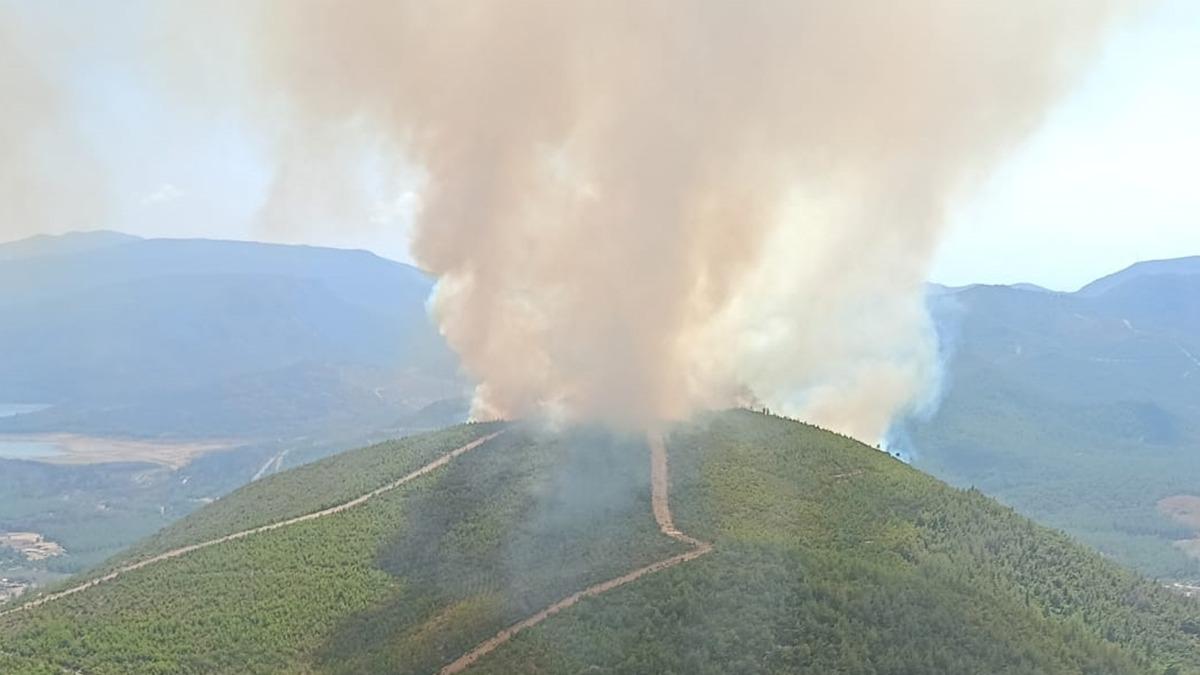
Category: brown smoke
<point>638,208</point>
<point>48,179</point>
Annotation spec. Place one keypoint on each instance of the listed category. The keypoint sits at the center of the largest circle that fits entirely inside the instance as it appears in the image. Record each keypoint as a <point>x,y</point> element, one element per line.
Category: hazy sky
<point>1110,178</point>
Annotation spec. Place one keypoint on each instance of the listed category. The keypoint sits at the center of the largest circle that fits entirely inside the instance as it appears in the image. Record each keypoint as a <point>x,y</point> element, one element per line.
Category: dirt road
<point>175,553</point>
<point>660,486</point>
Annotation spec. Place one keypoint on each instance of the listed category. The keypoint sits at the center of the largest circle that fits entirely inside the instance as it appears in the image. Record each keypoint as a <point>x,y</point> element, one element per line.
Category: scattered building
<point>10,589</point>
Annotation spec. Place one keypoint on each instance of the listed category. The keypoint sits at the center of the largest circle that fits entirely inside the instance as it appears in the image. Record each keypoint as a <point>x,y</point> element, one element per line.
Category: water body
<point>29,449</point>
<point>14,409</point>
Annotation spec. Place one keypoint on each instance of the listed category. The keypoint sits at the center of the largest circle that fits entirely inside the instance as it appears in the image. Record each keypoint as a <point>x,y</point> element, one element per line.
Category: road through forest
<point>184,550</point>
<point>660,486</point>
<point>660,501</point>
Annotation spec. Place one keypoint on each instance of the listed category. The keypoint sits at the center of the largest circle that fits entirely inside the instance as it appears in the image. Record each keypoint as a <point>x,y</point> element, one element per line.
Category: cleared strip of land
<point>660,486</point>
<point>184,550</point>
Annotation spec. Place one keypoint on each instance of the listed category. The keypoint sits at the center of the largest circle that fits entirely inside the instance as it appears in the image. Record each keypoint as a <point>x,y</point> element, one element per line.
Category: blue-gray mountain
<point>287,353</point>
<point>212,338</point>
<point>1080,409</point>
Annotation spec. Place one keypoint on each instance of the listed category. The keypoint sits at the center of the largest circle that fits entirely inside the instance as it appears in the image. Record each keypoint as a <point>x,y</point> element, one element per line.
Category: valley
<point>107,435</point>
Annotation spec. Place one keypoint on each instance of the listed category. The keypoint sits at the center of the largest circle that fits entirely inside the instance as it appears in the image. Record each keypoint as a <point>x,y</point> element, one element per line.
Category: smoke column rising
<point>49,181</point>
<point>639,208</point>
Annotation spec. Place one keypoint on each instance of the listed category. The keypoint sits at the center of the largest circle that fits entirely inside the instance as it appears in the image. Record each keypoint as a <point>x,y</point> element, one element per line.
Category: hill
<point>117,334</point>
<point>1189,266</point>
<point>269,355</point>
<point>796,550</point>
<point>1082,410</point>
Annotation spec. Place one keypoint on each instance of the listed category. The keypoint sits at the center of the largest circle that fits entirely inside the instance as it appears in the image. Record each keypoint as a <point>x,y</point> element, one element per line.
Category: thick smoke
<point>638,208</point>
<point>49,181</point>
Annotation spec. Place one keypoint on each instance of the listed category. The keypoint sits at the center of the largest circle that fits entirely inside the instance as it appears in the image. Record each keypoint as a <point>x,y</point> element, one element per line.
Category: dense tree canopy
<point>830,557</point>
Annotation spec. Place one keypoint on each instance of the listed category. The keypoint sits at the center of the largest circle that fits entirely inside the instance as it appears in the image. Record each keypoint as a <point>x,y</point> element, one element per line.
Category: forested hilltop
<point>828,556</point>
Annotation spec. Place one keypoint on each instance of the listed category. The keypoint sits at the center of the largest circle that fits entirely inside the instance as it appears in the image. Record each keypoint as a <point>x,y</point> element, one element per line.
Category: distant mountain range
<point>287,353</point>
<point>1080,409</point>
<point>161,337</point>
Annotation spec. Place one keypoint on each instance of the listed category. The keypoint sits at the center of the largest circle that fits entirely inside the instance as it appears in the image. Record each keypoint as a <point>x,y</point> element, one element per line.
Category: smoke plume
<point>638,208</point>
<point>49,181</point>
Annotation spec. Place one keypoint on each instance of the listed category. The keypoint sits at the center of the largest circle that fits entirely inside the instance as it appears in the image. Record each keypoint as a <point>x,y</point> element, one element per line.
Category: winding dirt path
<point>660,486</point>
<point>175,553</point>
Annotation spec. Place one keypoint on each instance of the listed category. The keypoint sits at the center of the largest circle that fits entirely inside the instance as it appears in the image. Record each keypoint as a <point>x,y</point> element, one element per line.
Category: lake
<point>29,449</point>
<point>14,409</point>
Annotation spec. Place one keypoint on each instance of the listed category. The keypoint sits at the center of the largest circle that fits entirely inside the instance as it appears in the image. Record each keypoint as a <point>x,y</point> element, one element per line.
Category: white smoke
<point>638,208</point>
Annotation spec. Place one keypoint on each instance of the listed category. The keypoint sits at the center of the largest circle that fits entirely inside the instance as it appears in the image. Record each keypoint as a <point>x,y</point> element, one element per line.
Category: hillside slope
<point>1082,410</point>
<point>282,354</point>
<point>828,556</point>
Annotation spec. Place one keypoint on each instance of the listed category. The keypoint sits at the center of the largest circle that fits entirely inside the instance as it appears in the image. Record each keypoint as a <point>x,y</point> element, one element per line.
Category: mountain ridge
<point>1187,265</point>
<point>103,320</point>
<point>1078,408</point>
<point>824,552</point>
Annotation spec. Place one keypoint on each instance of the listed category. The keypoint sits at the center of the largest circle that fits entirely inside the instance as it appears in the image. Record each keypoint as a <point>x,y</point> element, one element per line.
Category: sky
<point>1108,179</point>
<point>1112,176</point>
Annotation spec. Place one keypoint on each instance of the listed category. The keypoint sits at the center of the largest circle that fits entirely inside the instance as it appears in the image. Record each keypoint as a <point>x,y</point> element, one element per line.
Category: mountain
<point>72,243</point>
<point>275,355</point>
<point>773,547</point>
<point>119,335</point>
<point>1082,410</point>
<point>1189,266</point>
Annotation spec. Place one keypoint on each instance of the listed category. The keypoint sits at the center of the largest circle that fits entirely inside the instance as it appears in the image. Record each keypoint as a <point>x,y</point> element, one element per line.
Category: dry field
<point>76,449</point>
<point>1185,510</point>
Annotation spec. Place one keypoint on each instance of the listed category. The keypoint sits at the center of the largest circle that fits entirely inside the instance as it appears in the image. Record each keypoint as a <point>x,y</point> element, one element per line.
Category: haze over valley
<point>291,353</point>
